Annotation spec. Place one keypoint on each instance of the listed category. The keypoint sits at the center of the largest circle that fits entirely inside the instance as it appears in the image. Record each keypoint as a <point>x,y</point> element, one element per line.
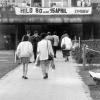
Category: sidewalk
<point>63,84</point>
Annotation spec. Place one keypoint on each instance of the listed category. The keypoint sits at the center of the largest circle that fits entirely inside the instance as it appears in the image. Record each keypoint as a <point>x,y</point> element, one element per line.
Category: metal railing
<point>84,49</point>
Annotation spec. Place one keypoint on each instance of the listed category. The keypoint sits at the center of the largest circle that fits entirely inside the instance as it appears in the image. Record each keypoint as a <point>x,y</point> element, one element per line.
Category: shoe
<point>67,59</point>
<point>24,77</point>
<point>46,76</point>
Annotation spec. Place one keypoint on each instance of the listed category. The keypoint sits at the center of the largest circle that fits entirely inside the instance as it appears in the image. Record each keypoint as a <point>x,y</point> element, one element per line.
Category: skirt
<point>66,53</point>
<point>45,63</point>
<point>25,60</point>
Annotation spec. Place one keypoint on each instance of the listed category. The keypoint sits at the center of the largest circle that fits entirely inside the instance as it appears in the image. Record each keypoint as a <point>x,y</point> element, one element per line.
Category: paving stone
<point>64,83</point>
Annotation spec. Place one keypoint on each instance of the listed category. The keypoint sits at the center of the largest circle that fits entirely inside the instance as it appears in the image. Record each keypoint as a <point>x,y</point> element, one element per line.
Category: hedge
<point>91,56</point>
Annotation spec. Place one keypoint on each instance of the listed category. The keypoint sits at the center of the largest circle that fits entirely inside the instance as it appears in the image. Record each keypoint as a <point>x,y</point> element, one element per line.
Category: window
<point>81,3</point>
<point>52,3</point>
<point>60,3</point>
<point>36,3</point>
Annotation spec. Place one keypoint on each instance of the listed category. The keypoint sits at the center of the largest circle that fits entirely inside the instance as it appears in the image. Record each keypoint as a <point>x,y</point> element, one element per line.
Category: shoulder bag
<point>50,56</point>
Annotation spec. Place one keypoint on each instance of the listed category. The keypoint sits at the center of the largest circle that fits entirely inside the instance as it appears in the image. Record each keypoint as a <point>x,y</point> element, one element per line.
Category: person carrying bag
<point>42,50</point>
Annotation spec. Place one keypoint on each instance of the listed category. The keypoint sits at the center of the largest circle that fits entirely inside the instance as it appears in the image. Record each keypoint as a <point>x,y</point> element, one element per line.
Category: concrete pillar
<point>46,3</point>
<point>69,3</point>
<point>16,37</point>
<point>21,31</point>
<point>62,3</point>
<point>42,3</point>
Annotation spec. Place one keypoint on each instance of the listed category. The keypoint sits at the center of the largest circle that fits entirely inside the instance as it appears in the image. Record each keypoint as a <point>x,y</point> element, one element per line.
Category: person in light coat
<point>24,51</point>
<point>66,41</point>
<point>44,48</point>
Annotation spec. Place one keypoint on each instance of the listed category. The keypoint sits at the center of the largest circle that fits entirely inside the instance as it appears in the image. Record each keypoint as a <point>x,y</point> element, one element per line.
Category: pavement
<point>64,83</point>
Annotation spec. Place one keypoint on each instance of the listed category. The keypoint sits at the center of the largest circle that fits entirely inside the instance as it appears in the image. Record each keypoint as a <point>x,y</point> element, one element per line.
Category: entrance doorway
<point>74,30</point>
<point>15,31</point>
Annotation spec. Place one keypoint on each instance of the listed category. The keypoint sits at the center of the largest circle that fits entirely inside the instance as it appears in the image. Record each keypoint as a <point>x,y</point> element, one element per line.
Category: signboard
<point>53,11</point>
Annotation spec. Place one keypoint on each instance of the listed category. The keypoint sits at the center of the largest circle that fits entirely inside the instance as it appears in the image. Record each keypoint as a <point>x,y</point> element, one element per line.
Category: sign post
<point>84,55</point>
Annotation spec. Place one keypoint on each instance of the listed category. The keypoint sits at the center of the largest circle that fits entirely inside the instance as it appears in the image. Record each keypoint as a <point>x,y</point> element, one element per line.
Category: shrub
<point>91,56</point>
<point>77,55</point>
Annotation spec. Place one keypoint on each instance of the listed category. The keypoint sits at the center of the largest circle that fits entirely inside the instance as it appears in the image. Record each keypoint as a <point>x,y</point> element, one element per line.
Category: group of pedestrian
<point>43,46</point>
<point>54,41</point>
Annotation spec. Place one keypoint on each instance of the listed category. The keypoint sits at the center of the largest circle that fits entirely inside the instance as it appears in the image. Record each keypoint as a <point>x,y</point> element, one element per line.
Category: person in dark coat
<point>34,40</point>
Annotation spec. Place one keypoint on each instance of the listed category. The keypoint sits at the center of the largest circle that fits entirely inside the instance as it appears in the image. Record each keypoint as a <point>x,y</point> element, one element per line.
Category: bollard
<point>84,56</point>
<point>79,42</point>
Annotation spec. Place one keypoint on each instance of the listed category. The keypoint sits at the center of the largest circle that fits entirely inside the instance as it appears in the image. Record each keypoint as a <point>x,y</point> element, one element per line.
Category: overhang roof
<point>46,19</point>
<point>9,16</point>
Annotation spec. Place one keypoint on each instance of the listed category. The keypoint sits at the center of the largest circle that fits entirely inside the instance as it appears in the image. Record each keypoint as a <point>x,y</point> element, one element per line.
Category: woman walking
<point>24,52</point>
<point>44,49</point>
<point>66,45</point>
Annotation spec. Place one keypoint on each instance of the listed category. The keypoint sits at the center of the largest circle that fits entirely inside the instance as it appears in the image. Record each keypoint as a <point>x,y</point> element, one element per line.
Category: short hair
<point>25,38</point>
<point>35,32</point>
<point>48,33</point>
<point>43,35</point>
<point>55,33</point>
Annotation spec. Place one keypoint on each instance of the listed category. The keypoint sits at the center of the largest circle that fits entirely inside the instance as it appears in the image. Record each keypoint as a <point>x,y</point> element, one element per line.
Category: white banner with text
<point>53,11</point>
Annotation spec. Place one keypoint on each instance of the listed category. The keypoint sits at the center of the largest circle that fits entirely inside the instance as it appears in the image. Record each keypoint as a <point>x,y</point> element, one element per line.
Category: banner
<point>53,11</point>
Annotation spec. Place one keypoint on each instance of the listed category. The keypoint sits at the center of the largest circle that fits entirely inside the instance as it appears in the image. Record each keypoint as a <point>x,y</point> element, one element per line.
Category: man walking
<point>34,40</point>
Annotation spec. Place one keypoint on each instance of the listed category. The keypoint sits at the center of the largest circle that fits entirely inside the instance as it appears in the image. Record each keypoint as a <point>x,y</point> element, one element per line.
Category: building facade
<point>46,3</point>
<point>73,16</point>
<point>20,3</point>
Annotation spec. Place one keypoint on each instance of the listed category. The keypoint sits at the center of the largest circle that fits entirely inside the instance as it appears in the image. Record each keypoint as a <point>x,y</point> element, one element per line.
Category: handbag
<point>53,65</point>
<point>64,45</point>
<point>50,57</point>
<point>37,62</point>
<point>16,57</point>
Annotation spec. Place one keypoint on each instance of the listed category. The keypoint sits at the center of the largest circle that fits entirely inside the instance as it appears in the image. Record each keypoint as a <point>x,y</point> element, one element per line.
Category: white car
<point>95,76</point>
